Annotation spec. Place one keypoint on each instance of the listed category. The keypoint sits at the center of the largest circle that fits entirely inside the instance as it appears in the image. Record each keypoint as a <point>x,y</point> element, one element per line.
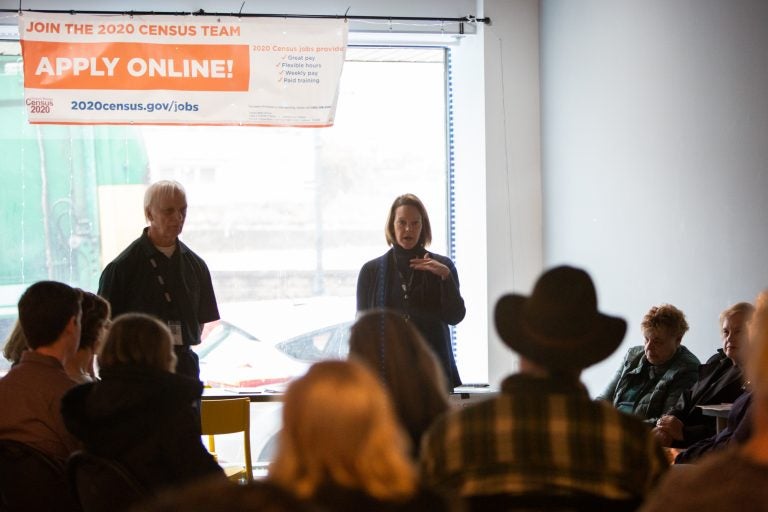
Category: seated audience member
<point>392,347</point>
<point>720,381</point>
<point>95,320</point>
<point>15,344</point>
<point>733,479</point>
<point>30,394</point>
<point>341,446</point>
<point>141,413</point>
<point>543,437</point>
<point>652,376</point>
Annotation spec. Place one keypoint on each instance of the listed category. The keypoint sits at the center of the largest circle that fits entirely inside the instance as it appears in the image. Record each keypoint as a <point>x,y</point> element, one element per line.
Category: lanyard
<point>161,281</point>
<point>173,325</point>
<point>405,286</point>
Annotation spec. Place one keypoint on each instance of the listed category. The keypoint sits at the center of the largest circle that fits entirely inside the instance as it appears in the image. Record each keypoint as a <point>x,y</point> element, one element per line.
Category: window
<point>284,218</point>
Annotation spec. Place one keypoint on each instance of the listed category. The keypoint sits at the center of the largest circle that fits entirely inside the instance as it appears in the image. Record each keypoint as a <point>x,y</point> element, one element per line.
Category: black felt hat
<point>559,326</point>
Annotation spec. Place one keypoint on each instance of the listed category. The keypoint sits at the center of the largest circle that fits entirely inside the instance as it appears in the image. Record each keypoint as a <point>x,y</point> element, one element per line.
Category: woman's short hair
<point>744,308</point>
<point>161,189</point>
<point>96,312</point>
<point>339,428</point>
<point>394,349</point>
<point>138,339</point>
<point>425,238</point>
<point>667,316</point>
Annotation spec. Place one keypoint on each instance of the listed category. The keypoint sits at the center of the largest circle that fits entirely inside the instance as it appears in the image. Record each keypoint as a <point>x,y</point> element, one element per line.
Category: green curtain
<point>49,179</point>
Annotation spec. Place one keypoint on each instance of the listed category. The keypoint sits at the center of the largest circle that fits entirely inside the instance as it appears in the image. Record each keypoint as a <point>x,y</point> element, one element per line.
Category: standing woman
<point>422,286</point>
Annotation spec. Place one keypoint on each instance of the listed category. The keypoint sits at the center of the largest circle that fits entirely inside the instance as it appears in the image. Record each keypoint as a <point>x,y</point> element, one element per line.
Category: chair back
<point>228,416</point>
<point>32,480</point>
<point>101,484</point>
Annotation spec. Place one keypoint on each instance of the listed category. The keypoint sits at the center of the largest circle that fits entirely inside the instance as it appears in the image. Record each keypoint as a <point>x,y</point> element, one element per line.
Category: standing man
<point>157,274</point>
<point>30,395</point>
<point>542,439</point>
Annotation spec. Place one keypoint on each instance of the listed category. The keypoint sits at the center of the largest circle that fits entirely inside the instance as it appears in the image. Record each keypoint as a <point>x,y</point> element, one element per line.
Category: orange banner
<point>134,66</point>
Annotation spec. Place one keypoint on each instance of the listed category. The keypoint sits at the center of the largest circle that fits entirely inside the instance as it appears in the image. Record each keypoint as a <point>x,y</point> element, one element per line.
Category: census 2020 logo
<point>39,105</point>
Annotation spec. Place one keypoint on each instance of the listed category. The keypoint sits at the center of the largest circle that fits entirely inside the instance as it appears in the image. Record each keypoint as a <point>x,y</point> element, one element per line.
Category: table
<point>719,411</point>
<point>266,417</point>
<point>255,395</point>
<point>462,395</point>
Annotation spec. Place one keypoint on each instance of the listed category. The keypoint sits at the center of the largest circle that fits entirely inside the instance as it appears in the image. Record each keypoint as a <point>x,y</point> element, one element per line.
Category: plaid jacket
<point>541,436</point>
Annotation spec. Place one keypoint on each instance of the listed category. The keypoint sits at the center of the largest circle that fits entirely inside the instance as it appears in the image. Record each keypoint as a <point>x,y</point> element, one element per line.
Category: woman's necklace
<point>404,285</point>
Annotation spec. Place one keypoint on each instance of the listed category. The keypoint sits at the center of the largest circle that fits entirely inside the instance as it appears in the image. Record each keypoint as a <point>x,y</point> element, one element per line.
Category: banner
<point>108,69</point>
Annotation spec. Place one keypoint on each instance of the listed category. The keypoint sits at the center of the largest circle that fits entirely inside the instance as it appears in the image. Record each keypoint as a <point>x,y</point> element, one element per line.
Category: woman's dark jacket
<point>145,419</point>
<point>720,381</point>
<point>432,304</point>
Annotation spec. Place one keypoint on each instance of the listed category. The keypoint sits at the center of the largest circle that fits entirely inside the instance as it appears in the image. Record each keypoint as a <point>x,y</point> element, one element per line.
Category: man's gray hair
<point>158,189</point>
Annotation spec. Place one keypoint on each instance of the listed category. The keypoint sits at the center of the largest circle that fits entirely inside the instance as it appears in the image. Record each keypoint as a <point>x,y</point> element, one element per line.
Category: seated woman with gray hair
<point>652,376</point>
<point>141,413</point>
<point>720,381</point>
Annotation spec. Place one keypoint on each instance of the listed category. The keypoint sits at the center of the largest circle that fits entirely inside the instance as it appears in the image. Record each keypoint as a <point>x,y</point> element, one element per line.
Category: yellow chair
<point>229,416</point>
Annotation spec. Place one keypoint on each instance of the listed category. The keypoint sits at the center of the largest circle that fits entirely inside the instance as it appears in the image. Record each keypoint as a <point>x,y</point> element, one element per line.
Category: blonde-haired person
<point>93,328</point>
<point>341,446</point>
<point>733,478</point>
<point>141,413</point>
<point>15,344</point>
<point>652,376</point>
<point>395,350</point>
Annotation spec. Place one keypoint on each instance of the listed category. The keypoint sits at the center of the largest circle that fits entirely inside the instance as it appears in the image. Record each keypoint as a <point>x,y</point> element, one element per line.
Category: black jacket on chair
<point>144,419</point>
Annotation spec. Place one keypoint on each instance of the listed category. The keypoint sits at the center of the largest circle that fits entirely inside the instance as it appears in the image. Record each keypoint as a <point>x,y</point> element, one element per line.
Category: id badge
<point>175,328</point>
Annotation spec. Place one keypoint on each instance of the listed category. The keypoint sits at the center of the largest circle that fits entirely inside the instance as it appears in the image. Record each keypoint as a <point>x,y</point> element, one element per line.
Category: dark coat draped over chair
<point>144,419</point>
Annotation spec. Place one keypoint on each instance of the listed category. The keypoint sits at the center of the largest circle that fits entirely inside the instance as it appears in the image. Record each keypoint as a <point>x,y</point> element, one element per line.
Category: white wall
<point>655,155</point>
<point>513,160</point>
<point>470,228</point>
